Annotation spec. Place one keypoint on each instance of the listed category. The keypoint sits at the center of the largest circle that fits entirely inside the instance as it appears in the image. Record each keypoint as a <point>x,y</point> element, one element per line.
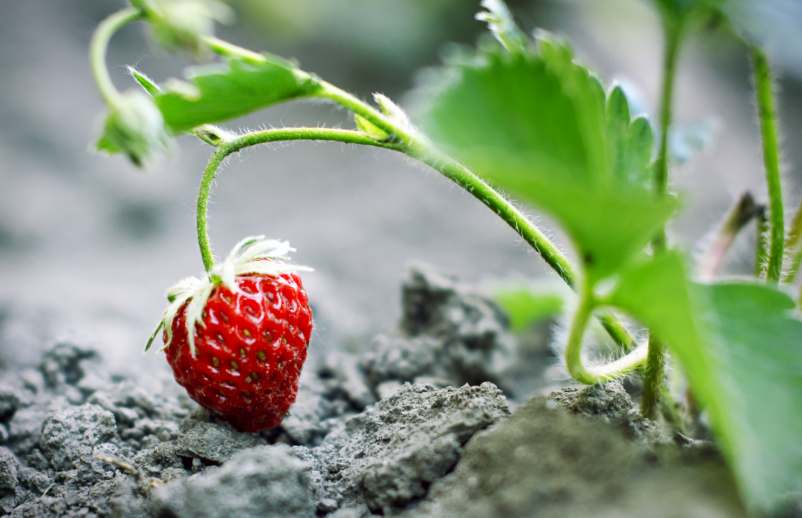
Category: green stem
<point>412,144</point>
<point>792,246</point>
<point>573,353</point>
<point>252,139</point>
<point>670,57</point>
<point>655,365</point>
<point>229,50</point>
<point>98,48</point>
<point>762,245</point>
<point>771,159</point>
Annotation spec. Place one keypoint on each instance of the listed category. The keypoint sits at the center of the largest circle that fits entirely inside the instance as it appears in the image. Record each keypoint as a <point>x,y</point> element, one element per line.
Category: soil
<point>435,419</point>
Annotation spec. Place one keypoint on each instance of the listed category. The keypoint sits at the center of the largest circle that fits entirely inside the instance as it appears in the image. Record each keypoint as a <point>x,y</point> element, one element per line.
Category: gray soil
<point>417,426</point>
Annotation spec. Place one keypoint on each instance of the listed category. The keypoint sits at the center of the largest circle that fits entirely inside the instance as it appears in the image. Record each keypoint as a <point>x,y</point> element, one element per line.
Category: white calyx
<point>254,254</point>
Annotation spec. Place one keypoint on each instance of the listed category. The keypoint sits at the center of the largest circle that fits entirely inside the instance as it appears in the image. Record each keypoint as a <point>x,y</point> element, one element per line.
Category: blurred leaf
<point>773,25</point>
<point>540,127</point>
<point>527,305</point>
<point>688,140</point>
<point>500,22</point>
<point>741,348</point>
<point>182,24</point>
<point>630,141</point>
<point>218,93</point>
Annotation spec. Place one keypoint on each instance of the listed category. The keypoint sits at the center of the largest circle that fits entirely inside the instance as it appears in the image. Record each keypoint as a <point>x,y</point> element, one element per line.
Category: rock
<point>8,472</point>
<point>388,455</point>
<point>211,441</point>
<point>611,403</point>
<point>546,462</point>
<point>342,378</point>
<point>70,436</point>
<point>264,482</point>
<point>62,364</point>
<point>9,402</point>
<point>449,333</point>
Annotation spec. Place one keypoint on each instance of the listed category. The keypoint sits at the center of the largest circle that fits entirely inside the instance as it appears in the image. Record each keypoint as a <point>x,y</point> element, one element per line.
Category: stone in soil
<point>387,456</point>
<point>260,482</point>
<point>545,461</point>
<point>450,335</point>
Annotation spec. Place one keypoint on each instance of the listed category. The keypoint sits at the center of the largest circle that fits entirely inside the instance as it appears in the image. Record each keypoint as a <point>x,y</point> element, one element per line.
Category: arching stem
<point>573,352</point>
<point>99,46</point>
<point>406,140</point>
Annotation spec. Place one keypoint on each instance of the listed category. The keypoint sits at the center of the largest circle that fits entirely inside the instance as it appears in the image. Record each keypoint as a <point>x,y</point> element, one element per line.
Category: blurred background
<point>88,244</point>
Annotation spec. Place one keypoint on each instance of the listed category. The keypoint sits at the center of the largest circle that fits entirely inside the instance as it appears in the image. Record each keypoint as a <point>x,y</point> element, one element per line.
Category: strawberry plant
<point>523,115</point>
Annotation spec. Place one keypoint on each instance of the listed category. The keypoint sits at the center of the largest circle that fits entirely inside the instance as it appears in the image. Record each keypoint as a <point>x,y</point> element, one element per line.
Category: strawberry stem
<point>764,90</point>
<point>573,353</point>
<point>98,48</point>
<point>655,365</point>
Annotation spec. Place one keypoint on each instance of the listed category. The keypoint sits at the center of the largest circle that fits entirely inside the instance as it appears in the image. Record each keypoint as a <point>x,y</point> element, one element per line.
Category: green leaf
<point>501,23</point>
<point>525,305</point>
<point>630,141</point>
<point>148,85</point>
<point>218,93</point>
<point>740,345</point>
<point>540,127</point>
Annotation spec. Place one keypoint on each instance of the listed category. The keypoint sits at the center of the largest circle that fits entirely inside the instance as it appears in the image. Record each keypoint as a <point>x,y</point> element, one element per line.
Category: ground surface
<point>415,427</point>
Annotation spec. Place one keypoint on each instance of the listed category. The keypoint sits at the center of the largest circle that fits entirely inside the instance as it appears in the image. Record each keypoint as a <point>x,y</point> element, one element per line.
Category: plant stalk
<point>98,48</point>
<point>792,246</point>
<point>764,90</point>
<point>573,353</point>
<point>655,364</point>
<point>762,245</point>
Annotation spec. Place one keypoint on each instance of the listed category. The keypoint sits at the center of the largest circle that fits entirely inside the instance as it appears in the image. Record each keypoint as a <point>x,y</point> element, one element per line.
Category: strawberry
<point>237,340</point>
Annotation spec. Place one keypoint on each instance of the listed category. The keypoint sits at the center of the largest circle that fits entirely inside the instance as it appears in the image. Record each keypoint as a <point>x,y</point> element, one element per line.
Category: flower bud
<point>134,126</point>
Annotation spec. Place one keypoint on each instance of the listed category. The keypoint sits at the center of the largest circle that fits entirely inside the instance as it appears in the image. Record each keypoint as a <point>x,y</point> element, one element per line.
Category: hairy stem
<point>771,160</point>
<point>573,352</point>
<point>99,46</point>
<point>762,245</point>
<point>792,246</point>
<point>655,365</point>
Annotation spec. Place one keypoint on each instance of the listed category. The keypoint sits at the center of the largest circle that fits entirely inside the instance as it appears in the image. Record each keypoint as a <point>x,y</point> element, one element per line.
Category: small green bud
<point>134,126</point>
<point>182,24</point>
<point>367,127</point>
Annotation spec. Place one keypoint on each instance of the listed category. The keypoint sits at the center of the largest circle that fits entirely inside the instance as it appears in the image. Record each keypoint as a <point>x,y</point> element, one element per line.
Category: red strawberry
<point>251,333</point>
